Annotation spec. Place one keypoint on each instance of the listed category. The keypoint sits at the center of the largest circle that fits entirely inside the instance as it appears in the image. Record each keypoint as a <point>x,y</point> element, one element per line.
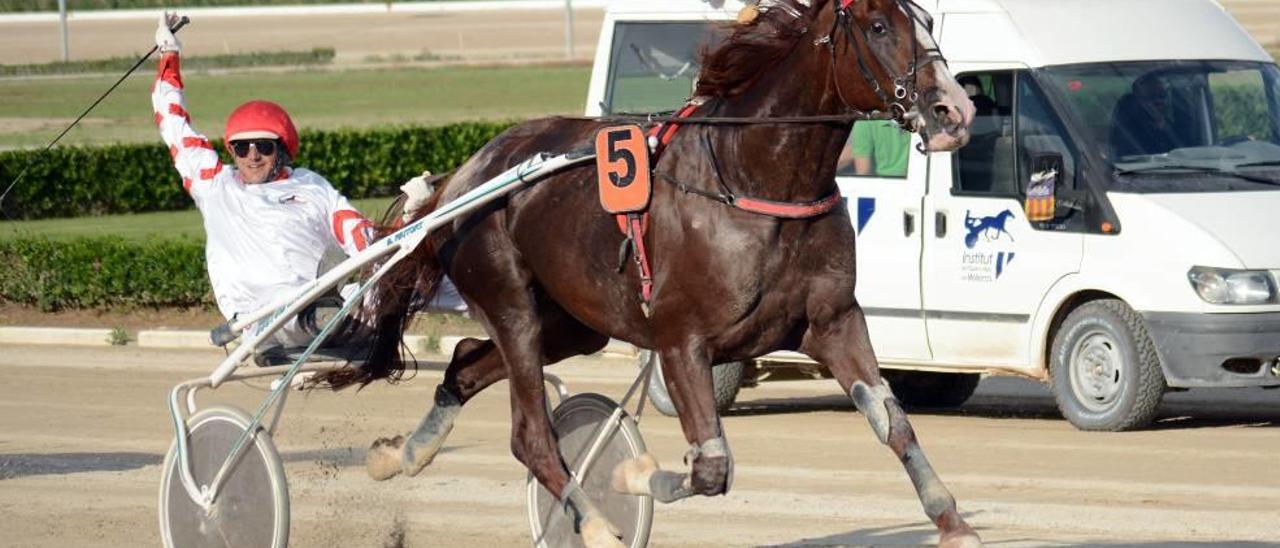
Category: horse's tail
<point>380,320</point>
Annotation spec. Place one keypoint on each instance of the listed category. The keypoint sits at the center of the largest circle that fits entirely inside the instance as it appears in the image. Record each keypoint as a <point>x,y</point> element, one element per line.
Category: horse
<point>733,274</point>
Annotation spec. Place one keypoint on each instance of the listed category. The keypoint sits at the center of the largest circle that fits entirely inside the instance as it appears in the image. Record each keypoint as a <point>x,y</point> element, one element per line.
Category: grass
<point>141,226</point>
<point>35,110</point>
<point>118,65</point>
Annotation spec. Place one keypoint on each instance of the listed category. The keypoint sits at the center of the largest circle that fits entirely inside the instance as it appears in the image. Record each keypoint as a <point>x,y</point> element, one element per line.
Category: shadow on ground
<point>1011,398</point>
<point>923,534</point>
<point>17,465</point>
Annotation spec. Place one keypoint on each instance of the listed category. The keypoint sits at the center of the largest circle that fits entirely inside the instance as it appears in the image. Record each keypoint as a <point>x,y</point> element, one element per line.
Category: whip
<point>181,23</point>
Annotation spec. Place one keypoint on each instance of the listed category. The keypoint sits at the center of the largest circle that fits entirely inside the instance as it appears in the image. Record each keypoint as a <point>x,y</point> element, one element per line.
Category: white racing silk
<point>262,240</point>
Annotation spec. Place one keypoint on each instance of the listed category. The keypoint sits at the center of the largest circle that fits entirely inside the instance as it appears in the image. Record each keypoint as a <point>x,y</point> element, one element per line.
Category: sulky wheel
<point>252,507</point>
<point>576,421</point>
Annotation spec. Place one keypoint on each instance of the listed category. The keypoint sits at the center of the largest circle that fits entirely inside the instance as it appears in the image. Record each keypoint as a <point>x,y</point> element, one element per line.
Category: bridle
<point>904,81</point>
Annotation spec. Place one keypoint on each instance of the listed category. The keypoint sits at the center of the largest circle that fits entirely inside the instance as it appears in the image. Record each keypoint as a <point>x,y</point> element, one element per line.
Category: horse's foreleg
<point>692,389</point>
<point>845,348</point>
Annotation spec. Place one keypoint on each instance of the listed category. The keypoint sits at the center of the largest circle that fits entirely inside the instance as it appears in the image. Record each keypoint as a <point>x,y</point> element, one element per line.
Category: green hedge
<point>133,178</point>
<point>103,272</point>
<point>118,65</point>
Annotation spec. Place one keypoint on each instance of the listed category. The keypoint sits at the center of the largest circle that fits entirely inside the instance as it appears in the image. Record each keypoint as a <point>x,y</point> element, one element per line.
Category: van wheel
<point>726,376</point>
<point>1104,368</point>
<point>928,389</point>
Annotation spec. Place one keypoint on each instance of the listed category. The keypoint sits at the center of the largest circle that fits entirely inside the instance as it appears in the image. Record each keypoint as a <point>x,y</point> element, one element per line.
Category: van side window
<point>654,64</point>
<point>985,165</point>
<point>876,148</point>
<point>1039,133</point>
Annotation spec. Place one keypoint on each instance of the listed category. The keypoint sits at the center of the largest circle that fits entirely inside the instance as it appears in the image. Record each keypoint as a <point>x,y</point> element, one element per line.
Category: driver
<point>267,223</point>
<point>1145,121</point>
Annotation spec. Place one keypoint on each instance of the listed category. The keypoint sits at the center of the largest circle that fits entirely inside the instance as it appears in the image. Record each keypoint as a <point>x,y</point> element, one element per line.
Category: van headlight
<point>1226,286</point>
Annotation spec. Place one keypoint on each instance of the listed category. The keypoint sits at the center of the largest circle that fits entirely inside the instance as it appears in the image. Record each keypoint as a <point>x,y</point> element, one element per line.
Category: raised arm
<point>192,154</point>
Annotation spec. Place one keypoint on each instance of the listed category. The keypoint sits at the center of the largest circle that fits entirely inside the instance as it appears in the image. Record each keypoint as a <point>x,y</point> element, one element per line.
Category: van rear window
<point>654,64</point>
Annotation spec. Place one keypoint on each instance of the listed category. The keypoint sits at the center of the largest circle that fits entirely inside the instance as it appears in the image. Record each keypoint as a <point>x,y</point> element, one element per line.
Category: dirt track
<point>83,432</point>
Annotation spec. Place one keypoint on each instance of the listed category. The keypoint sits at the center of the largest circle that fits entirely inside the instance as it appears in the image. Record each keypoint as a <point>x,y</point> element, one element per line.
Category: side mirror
<point>1041,190</point>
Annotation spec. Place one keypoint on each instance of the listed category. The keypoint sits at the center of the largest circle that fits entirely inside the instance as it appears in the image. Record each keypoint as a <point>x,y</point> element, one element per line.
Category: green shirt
<point>885,144</point>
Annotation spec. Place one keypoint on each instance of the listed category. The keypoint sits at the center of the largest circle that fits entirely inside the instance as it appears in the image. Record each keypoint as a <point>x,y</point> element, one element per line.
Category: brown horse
<point>540,268</point>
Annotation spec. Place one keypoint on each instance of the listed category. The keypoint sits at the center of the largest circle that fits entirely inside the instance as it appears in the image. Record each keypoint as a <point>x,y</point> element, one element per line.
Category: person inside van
<point>1145,120</point>
<point>877,148</point>
<point>983,105</point>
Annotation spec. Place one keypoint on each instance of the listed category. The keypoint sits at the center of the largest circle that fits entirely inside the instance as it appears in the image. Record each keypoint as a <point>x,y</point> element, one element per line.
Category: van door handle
<point>940,224</point>
<point>908,223</point>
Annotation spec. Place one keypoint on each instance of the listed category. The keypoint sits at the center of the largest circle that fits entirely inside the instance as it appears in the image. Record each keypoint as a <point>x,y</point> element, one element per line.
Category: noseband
<point>904,81</point>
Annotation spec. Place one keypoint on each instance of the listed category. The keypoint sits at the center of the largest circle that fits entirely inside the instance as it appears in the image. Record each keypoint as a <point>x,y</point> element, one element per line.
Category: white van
<point>1156,269</point>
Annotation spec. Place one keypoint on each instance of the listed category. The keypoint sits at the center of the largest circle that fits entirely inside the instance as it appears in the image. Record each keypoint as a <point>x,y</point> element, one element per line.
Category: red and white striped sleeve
<point>192,154</point>
<point>350,229</point>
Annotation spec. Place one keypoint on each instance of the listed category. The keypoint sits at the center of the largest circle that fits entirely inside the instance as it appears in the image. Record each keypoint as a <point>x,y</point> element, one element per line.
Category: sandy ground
<point>83,434</point>
<point>477,35</point>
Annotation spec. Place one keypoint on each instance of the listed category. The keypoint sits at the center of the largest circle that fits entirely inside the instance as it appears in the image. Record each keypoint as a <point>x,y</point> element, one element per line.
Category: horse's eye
<point>879,28</point>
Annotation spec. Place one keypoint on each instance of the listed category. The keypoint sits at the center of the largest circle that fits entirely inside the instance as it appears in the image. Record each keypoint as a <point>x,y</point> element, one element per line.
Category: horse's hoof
<point>631,476</point>
<point>960,539</point>
<point>382,462</point>
<point>418,456</point>
<point>597,532</point>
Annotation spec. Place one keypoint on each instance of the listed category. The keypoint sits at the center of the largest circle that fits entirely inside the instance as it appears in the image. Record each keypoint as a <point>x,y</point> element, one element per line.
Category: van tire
<point>726,376</point>
<point>930,389</point>
<point>1104,369</point>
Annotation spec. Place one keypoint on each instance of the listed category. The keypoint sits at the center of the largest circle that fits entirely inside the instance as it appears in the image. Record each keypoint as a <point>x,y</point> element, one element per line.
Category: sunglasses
<point>266,147</point>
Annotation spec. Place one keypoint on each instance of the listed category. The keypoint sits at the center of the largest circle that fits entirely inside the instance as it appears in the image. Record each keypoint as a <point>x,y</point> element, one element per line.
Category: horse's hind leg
<point>475,365</point>
<point>842,344</point>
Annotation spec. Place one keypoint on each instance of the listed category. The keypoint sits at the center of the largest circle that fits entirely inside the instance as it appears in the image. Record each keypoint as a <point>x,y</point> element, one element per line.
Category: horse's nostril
<point>942,111</point>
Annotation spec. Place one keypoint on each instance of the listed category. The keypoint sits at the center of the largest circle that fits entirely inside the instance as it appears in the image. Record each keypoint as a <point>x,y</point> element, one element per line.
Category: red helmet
<point>262,120</point>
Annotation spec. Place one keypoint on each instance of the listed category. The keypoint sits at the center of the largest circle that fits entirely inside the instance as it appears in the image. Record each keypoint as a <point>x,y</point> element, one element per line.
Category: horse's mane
<point>752,47</point>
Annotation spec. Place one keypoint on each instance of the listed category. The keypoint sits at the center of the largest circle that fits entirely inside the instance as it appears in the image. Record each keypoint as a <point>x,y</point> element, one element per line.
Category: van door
<point>986,267</point>
<point>882,179</point>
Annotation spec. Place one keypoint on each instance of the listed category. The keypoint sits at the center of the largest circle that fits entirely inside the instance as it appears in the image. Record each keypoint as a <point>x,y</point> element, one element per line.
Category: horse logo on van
<point>990,227</point>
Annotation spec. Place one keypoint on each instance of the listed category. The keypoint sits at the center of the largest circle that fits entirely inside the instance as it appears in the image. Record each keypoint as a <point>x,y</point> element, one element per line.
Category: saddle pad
<point>622,169</point>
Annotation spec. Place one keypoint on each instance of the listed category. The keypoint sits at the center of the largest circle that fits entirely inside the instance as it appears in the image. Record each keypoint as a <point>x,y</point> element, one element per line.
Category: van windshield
<point>1180,126</point>
<point>654,64</point>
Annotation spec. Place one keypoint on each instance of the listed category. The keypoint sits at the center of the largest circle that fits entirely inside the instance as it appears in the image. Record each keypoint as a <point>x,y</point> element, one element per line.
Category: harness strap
<point>788,210</point>
<point>635,224</point>
<point>661,134</point>
<point>635,232</point>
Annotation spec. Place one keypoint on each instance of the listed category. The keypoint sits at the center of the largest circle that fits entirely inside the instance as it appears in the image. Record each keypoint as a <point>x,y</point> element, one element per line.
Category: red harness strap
<point>663,132</point>
<point>634,225</point>
<point>788,210</point>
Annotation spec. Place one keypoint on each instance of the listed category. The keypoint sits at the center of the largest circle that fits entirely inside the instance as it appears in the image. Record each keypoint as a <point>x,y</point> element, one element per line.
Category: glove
<point>416,190</point>
<point>165,40</point>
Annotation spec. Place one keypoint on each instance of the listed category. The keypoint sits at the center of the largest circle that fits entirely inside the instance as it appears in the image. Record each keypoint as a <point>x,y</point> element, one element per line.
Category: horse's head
<point>884,58</point>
